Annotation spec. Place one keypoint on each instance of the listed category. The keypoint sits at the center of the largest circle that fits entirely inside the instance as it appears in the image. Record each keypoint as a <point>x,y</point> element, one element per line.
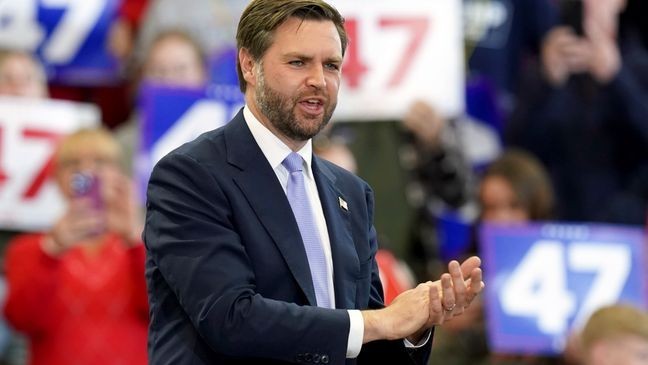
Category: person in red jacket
<point>78,291</point>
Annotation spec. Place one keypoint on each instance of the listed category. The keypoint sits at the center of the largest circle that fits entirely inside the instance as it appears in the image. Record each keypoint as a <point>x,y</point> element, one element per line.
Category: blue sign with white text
<point>69,36</point>
<point>544,280</point>
<point>171,117</point>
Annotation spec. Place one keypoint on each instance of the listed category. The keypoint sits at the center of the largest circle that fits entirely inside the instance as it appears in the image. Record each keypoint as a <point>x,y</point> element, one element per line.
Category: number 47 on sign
<point>545,280</point>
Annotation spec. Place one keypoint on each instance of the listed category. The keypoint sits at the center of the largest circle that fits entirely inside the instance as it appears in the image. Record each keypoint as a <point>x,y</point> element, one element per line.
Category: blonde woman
<point>78,291</point>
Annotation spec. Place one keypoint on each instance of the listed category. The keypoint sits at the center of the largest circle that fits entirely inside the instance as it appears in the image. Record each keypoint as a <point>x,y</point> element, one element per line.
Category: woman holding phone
<point>78,291</point>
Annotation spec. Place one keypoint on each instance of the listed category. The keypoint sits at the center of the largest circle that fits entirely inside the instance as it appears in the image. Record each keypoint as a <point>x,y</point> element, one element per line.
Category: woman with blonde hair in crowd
<point>615,334</point>
<point>78,291</point>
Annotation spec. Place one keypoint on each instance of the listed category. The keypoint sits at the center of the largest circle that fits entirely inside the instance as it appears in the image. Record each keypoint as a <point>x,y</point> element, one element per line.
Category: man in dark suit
<point>258,251</point>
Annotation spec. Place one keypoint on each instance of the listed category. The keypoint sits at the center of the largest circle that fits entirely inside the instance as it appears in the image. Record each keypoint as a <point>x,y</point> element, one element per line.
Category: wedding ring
<point>451,308</point>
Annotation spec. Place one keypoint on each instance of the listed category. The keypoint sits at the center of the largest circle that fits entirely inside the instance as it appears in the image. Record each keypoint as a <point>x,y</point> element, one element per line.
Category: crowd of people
<point>570,118</point>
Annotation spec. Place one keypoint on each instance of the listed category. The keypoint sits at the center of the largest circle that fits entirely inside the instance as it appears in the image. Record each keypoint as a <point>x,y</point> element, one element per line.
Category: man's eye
<point>332,66</point>
<point>296,63</point>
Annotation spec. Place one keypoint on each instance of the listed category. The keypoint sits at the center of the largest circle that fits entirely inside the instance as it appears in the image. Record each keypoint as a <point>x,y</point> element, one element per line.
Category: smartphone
<point>571,15</point>
<point>85,184</point>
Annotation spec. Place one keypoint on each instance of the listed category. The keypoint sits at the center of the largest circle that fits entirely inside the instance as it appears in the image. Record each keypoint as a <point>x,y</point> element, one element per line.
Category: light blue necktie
<point>298,198</point>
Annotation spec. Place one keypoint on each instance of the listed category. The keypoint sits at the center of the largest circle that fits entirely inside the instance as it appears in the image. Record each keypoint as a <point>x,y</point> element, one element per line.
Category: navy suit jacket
<point>227,273</point>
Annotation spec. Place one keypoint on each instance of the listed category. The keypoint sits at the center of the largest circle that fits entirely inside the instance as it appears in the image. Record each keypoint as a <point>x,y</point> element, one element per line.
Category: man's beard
<point>281,111</point>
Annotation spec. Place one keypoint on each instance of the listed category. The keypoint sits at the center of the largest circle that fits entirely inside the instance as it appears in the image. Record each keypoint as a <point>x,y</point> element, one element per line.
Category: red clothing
<point>79,309</point>
<point>132,11</point>
<point>393,275</point>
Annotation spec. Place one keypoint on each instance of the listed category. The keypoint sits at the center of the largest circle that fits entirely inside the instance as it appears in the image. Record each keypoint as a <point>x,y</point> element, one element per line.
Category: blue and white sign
<point>173,116</point>
<point>543,280</point>
<point>70,36</point>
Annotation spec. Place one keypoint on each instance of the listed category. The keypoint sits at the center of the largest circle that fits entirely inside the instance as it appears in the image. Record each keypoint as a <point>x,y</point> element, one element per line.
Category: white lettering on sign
<point>19,27</point>
<point>610,262</point>
<point>538,287</point>
<point>72,31</point>
<point>203,116</point>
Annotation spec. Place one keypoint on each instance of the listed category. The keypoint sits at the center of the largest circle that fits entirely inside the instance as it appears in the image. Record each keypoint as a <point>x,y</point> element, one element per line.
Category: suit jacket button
<point>324,359</point>
<point>316,358</point>
<point>308,357</point>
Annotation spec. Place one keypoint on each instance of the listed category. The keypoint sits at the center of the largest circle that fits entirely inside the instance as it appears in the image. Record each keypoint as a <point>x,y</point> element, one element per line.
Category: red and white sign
<point>399,52</point>
<point>29,132</point>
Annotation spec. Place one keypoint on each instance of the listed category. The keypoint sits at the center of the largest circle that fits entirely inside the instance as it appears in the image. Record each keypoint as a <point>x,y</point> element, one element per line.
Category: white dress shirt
<point>275,151</point>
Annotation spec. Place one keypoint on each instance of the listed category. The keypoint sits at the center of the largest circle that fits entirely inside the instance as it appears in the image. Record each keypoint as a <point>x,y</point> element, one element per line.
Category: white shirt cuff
<point>421,343</point>
<point>356,333</point>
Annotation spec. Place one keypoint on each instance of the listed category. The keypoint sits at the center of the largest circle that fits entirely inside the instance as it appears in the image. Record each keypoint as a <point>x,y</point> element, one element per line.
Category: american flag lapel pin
<point>343,204</point>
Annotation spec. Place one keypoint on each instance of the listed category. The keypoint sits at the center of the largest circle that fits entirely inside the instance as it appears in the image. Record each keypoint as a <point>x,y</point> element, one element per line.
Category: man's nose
<point>316,77</point>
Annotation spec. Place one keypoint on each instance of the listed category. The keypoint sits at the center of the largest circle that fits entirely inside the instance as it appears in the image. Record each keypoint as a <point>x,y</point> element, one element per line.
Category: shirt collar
<point>272,147</point>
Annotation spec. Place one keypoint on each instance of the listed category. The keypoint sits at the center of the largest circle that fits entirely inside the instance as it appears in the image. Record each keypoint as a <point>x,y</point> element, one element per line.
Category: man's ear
<point>247,66</point>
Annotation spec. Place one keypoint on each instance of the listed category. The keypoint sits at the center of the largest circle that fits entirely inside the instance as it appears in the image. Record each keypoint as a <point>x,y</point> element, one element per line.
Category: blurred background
<point>512,129</point>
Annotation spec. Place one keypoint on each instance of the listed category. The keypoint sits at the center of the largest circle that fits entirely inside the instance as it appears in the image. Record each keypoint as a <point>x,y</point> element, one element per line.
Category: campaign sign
<point>70,36</point>
<point>29,132</point>
<point>544,280</point>
<point>171,117</point>
<point>399,52</point>
<point>222,67</point>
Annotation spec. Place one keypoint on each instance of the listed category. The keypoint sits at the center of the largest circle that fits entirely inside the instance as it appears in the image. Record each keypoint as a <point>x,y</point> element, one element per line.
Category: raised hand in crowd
<point>565,53</point>
<point>425,123</point>
<point>111,208</point>
<point>122,211</point>
<point>605,57</point>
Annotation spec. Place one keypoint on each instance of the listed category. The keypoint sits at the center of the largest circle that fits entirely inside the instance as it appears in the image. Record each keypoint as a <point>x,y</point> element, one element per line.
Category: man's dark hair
<point>262,17</point>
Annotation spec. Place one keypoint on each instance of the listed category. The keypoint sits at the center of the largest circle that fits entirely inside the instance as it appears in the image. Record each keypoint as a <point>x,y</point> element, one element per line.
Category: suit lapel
<point>346,265</point>
<point>259,184</point>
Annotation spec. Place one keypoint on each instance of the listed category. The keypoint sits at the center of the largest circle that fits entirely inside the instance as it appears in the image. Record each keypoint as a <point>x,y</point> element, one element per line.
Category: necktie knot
<point>293,162</point>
